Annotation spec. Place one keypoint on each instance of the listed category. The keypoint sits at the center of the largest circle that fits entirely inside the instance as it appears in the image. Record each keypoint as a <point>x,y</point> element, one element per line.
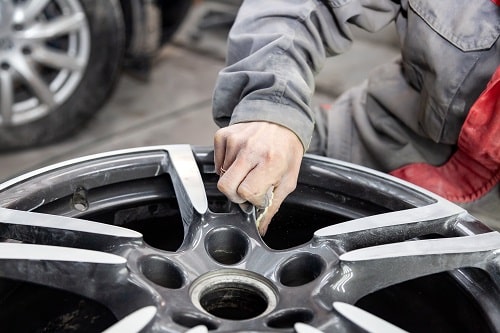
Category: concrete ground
<point>175,106</point>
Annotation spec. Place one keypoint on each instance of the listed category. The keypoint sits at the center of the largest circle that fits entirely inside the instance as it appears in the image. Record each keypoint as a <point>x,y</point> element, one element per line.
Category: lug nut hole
<point>26,50</point>
<point>301,270</point>
<point>227,246</point>
<point>162,272</point>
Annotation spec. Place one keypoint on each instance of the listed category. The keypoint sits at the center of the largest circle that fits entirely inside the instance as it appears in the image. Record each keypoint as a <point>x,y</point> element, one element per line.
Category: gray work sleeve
<point>274,49</point>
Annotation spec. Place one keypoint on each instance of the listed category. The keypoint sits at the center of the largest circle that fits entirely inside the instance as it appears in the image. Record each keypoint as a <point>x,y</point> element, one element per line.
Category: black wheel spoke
<point>366,270</point>
<point>48,229</point>
<point>63,268</point>
<point>392,227</point>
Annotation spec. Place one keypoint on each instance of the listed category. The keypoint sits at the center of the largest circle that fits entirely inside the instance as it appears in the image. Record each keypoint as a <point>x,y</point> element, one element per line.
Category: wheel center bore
<point>233,294</point>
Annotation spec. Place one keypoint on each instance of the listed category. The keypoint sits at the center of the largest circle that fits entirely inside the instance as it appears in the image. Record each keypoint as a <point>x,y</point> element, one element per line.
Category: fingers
<point>219,149</point>
<point>253,157</point>
<point>245,173</point>
<point>249,178</point>
<point>258,182</point>
<point>226,148</point>
<point>223,160</point>
<point>231,179</point>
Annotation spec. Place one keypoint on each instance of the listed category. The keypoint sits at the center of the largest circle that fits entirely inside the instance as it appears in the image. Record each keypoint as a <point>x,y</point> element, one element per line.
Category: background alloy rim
<point>44,52</point>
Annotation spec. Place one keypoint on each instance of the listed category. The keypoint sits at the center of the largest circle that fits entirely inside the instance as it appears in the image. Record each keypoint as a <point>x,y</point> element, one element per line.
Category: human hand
<point>253,158</point>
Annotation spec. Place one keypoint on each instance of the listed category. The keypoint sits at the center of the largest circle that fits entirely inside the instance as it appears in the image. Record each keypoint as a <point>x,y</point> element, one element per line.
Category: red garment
<point>474,168</point>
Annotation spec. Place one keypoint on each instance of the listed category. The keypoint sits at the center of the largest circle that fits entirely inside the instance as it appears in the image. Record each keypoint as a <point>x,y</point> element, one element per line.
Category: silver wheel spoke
<point>134,322</point>
<point>56,59</point>
<point>198,329</point>
<point>6,96</point>
<point>304,328</point>
<point>365,320</point>
<point>366,270</point>
<point>29,11</point>
<point>188,184</point>
<point>34,82</point>
<point>57,27</point>
<point>16,251</point>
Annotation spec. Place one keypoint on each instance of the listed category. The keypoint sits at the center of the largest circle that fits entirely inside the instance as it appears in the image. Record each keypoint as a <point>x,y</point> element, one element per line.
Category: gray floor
<point>175,106</point>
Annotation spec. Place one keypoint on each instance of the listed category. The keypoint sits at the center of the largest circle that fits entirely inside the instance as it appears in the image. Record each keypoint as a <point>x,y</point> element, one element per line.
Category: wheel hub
<point>233,294</point>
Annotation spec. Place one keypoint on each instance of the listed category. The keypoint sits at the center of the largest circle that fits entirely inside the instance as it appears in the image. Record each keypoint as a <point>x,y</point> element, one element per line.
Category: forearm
<point>271,60</point>
<point>274,50</point>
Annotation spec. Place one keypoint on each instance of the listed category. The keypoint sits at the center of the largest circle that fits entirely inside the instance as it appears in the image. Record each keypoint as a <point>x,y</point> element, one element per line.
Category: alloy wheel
<point>44,51</point>
<point>144,236</point>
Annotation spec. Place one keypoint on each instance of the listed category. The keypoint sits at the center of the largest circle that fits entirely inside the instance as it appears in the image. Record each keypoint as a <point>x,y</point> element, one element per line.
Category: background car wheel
<point>59,61</point>
<point>145,232</point>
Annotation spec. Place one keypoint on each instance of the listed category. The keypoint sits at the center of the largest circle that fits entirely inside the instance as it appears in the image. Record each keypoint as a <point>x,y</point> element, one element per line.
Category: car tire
<point>173,14</point>
<point>106,35</point>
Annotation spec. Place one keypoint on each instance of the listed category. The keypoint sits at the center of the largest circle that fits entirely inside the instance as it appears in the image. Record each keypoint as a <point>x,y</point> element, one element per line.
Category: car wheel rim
<point>171,252</point>
<point>44,51</point>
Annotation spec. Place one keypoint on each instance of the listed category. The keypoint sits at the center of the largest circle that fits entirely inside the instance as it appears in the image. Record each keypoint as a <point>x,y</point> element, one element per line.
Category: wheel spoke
<point>8,11</point>
<point>134,322</point>
<point>58,27</point>
<point>391,227</point>
<point>198,329</point>
<point>6,96</point>
<point>35,82</point>
<point>29,11</point>
<point>56,59</point>
<point>62,268</point>
<point>187,181</point>
<point>304,328</point>
<point>365,320</point>
<point>62,231</point>
<point>366,270</point>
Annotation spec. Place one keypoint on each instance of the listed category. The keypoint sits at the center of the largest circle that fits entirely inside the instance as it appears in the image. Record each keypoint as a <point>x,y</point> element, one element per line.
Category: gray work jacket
<point>449,50</point>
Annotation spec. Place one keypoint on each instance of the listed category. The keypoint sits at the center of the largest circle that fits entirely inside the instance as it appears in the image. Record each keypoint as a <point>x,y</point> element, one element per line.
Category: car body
<point>60,60</point>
